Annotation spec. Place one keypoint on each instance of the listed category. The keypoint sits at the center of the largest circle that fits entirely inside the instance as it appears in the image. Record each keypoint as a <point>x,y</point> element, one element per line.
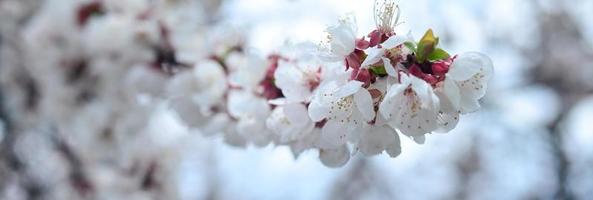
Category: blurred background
<point>533,139</point>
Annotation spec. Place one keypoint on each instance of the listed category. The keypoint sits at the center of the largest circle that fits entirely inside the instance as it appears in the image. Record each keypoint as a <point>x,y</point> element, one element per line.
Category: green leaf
<point>426,45</point>
<point>411,46</point>
<point>438,54</point>
<point>378,70</point>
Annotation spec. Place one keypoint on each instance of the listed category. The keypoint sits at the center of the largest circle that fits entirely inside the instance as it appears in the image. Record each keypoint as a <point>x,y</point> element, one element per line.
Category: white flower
<point>467,80</point>
<point>344,107</point>
<point>411,107</point>
<point>341,40</point>
<point>376,139</point>
<point>246,71</point>
<point>251,113</point>
<point>290,122</point>
<point>296,80</point>
<point>205,85</point>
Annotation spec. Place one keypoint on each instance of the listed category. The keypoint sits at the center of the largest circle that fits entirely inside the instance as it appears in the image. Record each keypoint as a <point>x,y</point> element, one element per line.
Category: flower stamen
<point>387,15</point>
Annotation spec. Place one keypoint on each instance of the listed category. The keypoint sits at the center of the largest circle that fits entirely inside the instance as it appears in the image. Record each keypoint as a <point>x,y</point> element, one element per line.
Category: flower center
<point>431,72</point>
<point>313,78</point>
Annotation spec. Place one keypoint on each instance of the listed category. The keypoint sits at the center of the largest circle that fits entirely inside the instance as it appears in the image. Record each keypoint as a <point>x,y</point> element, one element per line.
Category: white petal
<point>467,65</point>
<point>393,42</point>
<point>217,124</point>
<point>297,115</point>
<point>334,157</point>
<point>349,89</point>
<point>380,120</point>
<point>476,86</point>
<point>391,71</point>
<point>182,85</point>
<point>394,149</point>
<point>412,120</point>
<point>308,141</point>
<point>254,130</point>
<point>448,115</point>
<point>317,111</point>
<point>451,92</point>
<point>364,103</point>
<point>387,105</point>
<point>291,81</point>
<point>236,103</point>
<point>376,139</point>
<point>249,72</point>
<point>355,127</point>
<point>469,105</point>
<point>278,101</point>
<point>275,122</point>
<point>188,111</point>
<point>234,139</point>
<point>374,55</point>
<point>425,92</point>
<point>246,104</point>
<point>333,73</point>
<point>333,134</point>
<point>343,40</point>
<point>329,57</point>
<point>419,139</point>
<point>447,121</point>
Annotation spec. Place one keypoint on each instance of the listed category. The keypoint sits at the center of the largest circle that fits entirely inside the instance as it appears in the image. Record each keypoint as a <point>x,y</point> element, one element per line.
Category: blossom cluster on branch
<point>346,95</point>
<point>102,68</point>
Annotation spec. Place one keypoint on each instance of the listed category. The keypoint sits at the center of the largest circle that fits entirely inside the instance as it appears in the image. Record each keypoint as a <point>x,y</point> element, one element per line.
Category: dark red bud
<point>362,44</point>
<point>440,68</point>
<point>375,38</point>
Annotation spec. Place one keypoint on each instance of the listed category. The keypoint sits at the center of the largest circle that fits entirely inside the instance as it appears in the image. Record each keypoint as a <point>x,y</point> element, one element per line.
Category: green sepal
<point>426,46</point>
<point>411,46</point>
<point>438,54</point>
<point>378,70</point>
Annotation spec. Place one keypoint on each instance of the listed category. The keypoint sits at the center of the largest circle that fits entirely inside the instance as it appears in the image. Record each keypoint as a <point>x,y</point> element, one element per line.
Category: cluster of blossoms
<point>103,76</point>
<point>347,95</point>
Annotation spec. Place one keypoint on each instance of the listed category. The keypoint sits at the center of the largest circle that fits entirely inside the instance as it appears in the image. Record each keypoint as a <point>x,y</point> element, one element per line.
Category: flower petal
<point>376,139</point>
<point>451,92</point>
<point>334,157</point>
<point>391,71</point>
<point>349,89</point>
<point>386,108</point>
<point>364,103</point>
<point>419,139</point>
<point>447,121</point>
<point>374,55</point>
<point>291,81</point>
<point>468,105</point>
<point>296,112</point>
<point>394,149</point>
<point>411,119</point>
<point>343,39</point>
<point>467,65</point>
<point>425,93</point>
<point>393,42</point>
<point>333,134</point>
<point>317,111</point>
